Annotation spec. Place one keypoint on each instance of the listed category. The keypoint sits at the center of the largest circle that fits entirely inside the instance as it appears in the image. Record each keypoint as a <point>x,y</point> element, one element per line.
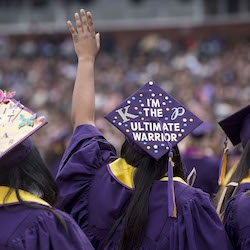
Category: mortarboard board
<point>237,129</point>
<point>17,124</point>
<point>154,121</point>
<point>151,118</point>
<point>237,126</point>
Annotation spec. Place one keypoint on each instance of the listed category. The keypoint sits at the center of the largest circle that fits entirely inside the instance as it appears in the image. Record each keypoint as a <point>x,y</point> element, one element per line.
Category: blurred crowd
<point>211,77</point>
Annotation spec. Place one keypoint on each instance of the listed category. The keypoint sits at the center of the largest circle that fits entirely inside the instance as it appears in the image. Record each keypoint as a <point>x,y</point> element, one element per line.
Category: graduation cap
<point>17,124</point>
<point>237,129</point>
<point>237,126</point>
<point>155,122</point>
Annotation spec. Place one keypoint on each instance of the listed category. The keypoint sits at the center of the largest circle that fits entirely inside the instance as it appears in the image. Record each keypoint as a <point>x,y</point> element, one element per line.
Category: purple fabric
<point>242,188</point>
<point>150,117</point>
<point>171,192</point>
<point>237,126</point>
<point>203,129</point>
<point>207,168</point>
<point>237,221</point>
<point>96,200</point>
<point>245,131</point>
<point>24,228</point>
<point>17,154</point>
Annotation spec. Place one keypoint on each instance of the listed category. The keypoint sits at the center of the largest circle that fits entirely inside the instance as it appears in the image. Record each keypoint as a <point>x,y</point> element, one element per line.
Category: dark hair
<point>239,174</point>
<point>31,175</point>
<point>148,170</point>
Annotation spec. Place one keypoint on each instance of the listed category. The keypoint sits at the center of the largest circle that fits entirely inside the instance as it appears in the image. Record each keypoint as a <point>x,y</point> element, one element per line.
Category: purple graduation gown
<point>25,228</point>
<point>207,168</point>
<point>96,199</point>
<point>242,188</point>
<point>236,218</point>
<point>237,221</point>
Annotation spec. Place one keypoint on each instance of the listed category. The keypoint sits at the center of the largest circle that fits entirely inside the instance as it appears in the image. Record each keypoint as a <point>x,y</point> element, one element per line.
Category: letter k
<point>125,115</point>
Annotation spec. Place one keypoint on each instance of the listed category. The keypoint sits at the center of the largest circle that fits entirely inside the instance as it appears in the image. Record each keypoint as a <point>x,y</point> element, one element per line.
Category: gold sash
<point>12,198</point>
<point>123,172</point>
<point>247,179</point>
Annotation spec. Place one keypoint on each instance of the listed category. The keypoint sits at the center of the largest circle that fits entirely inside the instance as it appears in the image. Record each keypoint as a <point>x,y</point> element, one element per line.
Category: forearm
<point>83,103</point>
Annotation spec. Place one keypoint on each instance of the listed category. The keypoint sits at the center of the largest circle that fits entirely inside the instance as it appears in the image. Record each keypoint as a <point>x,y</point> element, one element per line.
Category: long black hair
<point>148,170</point>
<point>241,172</point>
<point>32,175</point>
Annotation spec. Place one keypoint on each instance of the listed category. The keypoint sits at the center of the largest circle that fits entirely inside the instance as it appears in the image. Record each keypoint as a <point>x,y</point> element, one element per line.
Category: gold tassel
<point>172,207</point>
<point>223,168</point>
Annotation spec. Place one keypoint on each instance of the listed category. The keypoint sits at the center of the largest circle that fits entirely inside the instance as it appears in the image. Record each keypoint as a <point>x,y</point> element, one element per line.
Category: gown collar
<point>123,173</point>
<point>11,199</point>
<point>247,179</point>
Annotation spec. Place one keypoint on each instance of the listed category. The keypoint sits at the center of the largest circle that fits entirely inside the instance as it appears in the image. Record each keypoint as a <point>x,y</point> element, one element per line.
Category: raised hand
<point>86,41</point>
<point>87,45</point>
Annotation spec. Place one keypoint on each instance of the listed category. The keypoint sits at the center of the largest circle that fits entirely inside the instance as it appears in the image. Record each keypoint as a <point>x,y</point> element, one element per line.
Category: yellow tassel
<point>174,215</point>
<point>223,165</point>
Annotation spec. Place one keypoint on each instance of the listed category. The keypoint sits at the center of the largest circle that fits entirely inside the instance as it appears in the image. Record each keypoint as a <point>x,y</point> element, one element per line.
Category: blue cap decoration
<point>17,124</point>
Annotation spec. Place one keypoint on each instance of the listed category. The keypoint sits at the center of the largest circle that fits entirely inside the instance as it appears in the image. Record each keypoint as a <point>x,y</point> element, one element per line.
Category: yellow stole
<point>11,198</point>
<point>123,172</point>
<point>247,179</point>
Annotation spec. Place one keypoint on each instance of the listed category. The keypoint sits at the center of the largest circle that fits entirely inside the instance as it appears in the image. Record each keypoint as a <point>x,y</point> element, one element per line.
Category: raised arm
<point>86,44</point>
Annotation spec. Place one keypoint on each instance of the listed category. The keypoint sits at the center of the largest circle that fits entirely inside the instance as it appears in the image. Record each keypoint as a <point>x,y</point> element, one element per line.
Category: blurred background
<point>197,50</point>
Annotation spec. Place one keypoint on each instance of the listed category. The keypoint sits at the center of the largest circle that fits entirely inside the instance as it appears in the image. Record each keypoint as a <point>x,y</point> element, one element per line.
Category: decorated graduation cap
<point>237,129</point>
<point>155,122</point>
<point>17,124</point>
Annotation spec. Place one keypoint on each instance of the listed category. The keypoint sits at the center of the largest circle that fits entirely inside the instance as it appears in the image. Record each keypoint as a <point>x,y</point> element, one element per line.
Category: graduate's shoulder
<point>186,194</point>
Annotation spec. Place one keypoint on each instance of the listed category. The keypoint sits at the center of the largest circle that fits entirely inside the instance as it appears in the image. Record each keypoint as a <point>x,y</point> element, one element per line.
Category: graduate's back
<point>98,199</point>
<point>30,228</point>
<point>233,200</point>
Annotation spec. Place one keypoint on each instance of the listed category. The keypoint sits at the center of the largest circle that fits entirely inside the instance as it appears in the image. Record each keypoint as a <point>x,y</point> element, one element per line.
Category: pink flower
<point>5,96</point>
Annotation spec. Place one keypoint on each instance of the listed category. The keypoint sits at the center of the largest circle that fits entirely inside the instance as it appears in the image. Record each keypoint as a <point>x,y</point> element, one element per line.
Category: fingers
<point>84,20</point>
<point>71,28</point>
<point>79,25</point>
<point>84,23</point>
<point>90,24</point>
<point>97,37</point>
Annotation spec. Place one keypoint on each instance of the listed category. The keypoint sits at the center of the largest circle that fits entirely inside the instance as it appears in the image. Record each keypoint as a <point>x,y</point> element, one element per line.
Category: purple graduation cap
<point>155,122</point>
<point>17,124</point>
<point>237,129</point>
<point>237,126</point>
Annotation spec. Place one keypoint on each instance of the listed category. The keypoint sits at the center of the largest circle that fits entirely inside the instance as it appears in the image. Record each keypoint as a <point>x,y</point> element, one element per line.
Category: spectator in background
<point>199,156</point>
<point>54,153</point>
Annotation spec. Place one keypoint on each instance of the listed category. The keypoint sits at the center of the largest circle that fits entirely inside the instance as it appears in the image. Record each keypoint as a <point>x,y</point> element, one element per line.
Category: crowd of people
<point>211,77</point>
